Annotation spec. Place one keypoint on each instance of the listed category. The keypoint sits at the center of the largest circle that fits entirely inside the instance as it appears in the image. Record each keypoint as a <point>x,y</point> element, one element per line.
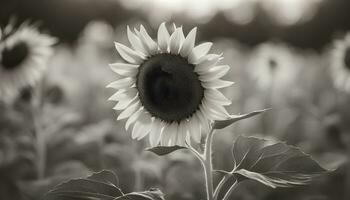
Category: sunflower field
<point>174,100</point>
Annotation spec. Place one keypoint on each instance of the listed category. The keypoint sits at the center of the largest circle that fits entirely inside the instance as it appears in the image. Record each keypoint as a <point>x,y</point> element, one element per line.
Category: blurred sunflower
<point>169,88</point>
<point>23,56</point>
<point>275,66</point>
<point>340,64</point>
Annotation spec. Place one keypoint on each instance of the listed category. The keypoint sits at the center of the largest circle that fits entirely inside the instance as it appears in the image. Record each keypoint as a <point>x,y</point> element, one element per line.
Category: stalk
<point>208,165</point>
<point>37,104</point>
<point>206,161</point>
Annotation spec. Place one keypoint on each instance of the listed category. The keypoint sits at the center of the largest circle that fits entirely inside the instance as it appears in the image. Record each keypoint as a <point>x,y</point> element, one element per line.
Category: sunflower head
<point>168,89</point>
<point>23,56</point>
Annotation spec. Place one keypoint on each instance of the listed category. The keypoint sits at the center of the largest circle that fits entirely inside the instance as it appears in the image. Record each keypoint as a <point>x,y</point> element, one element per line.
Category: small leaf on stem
<point>153,194</point>
<point>234,118</point>
<point>164,150</point>
<point>272,163</point>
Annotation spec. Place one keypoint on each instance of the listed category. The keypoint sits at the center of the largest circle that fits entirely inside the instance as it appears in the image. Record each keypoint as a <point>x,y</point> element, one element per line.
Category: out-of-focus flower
<point>169,88</point>
<point>340,64</point>
<point>23,56</point>
<point>274,66</point>
<point>98,33</point>
<point>290,12</point>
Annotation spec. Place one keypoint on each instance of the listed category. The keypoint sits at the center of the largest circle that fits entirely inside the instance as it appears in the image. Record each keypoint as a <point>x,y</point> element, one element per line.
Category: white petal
<point>169,134</point>
<point>155,133</point>
<point>199,51</point>
<point>163,37</point>
<point>148,41</point>
<point>217,84</point>
<point>181,134</point>
<point>216,96</point>
<point>216,112</point>
<point>174,134</point>
<point>194,128</point>
<point>182,36</point>
<point>207,62</point>
<point>203,120</point>
<point>125,99</point>
<point>121,105</point>
<point>217,108</point>
<point>174,27</point>
<point>124,94</point>
<point>136,131</point>
<point>135,42</point>
<point>129,110</point>
<point>137,32</point>
<point>142,126</point>
<point>116,96</point>
<point>209,115</point>
<point>175,41</point>
<point>122,83</point>
<point>215,73</point>
<point>128,54</point>
<point>124,69</point>
<point>187,133</point>
<point>188,43</point>
<point>133,118</point>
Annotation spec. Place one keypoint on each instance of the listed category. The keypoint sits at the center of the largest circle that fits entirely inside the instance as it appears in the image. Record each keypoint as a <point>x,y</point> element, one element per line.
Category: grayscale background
<point>84,135</point>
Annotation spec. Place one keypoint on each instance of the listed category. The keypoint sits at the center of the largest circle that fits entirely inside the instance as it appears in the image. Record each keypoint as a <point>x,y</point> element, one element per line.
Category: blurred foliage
<point>67,18</point>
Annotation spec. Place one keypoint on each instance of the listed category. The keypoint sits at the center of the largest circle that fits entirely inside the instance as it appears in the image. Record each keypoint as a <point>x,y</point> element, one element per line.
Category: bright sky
<point>284,12</point>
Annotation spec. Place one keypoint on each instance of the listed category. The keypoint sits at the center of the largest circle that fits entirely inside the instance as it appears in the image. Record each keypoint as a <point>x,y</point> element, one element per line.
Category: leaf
<point>99,186</point>
<point>164,150</point>
<point>153,194</point>
<point>234,118</point>
<point>274,164</point>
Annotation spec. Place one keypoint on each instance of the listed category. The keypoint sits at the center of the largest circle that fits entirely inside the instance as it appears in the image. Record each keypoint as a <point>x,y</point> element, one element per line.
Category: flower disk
<point>347,58</point>
<point>13,57</point>
<point>169,88</point>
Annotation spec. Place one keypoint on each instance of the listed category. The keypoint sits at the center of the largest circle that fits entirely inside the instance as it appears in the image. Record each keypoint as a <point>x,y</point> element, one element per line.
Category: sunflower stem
<point>196,153</point>
<point>37,104</point>
<point>206,161</point>
<point>208,166</point>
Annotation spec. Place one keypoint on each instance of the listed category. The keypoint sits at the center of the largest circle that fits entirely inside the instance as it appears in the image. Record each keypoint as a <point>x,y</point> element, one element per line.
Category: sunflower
<point>275,66</point>
<point>340,64</point>
<point>169,89</point>
<point>23,56</point>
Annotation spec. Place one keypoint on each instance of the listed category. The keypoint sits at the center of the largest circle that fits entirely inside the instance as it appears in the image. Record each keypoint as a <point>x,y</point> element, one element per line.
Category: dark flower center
<point>272,64</point>
<point>14,56</point>
<point>169,88</point>
<point>347,58</point>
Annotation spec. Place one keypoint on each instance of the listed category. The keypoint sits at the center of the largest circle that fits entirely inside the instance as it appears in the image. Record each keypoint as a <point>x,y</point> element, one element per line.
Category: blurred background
<point>281,57</point>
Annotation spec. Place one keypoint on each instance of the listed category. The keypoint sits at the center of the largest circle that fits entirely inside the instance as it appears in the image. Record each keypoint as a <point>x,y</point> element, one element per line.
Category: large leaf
<point>272,163</point>
<point>234,118</point>
<point>164,150</point>
<point>99,186</point>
